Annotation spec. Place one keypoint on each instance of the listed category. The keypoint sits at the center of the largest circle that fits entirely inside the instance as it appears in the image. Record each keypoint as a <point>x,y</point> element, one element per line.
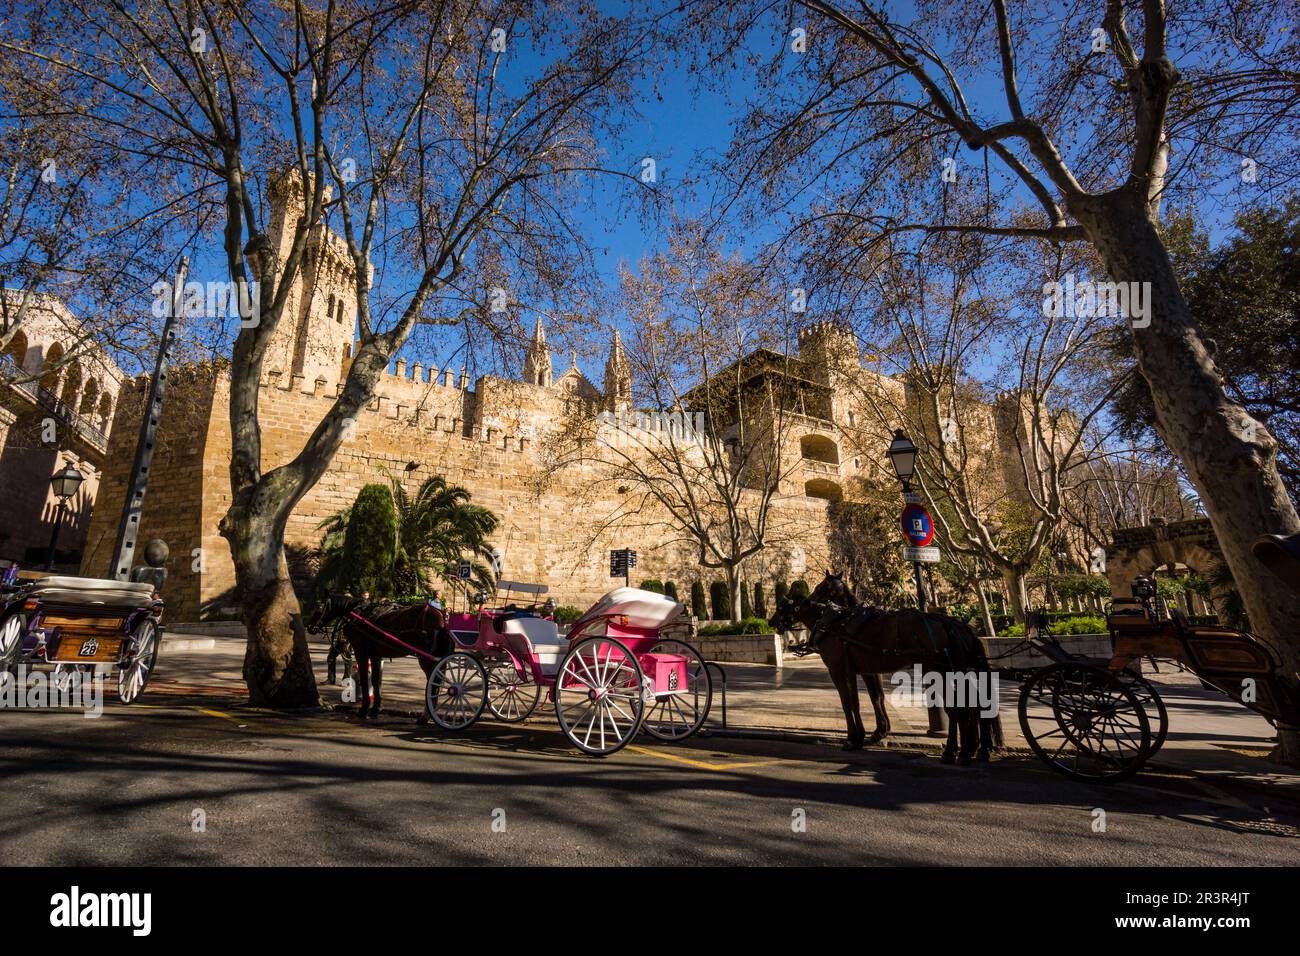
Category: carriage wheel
<point>599,696</point>
<point>12,632</point>
<point>511,697</point>
<point>137,667</point>
<point>675,716</point>
<point>456,692</point>
<point>1153,705</point>
<point>63,674</point>
<point>1084,722</point>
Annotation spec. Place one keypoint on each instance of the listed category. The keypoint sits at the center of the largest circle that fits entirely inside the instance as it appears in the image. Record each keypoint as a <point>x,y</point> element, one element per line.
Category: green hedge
<point>1076,624</point>
<point>746,609</point>
<point>699,604</point>
<point>720,601</point>
<point>782,591</point>
<point>670,589</point>
<point>800,589</point>
<point>760,602</point>
<point>653,584</point>
<point>751,625</point>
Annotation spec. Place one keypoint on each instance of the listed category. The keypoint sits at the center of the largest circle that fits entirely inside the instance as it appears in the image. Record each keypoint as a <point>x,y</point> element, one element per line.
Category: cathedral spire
<point>618,379</point>
<point>537,361</point>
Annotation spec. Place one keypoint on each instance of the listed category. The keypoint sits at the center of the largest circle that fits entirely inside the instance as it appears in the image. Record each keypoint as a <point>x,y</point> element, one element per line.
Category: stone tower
<point>618,379</point>
<point>318,326</point>
<point>829,348</point>
<point>537,361</point>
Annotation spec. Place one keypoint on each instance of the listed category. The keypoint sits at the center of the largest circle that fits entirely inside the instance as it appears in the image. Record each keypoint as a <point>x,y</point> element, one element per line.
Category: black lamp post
<point>902,455</point>
<point>65,484</point>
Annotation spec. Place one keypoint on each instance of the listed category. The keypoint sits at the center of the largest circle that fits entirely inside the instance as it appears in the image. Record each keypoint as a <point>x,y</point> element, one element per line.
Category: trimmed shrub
<point>370,542</point>
<point>753,625</point>
<point>699,605</point>
<point>567,614</point>
<point>760,602</point>
<point>653,584</point>
<point>800,589</point>
<point>782,591</point>
<point>746,609</point>
<point>670,590</point>
<point>720,601</point>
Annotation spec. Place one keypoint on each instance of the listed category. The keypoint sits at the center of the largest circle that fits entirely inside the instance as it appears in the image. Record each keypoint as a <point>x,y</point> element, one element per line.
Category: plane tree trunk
<point>1228,456</point>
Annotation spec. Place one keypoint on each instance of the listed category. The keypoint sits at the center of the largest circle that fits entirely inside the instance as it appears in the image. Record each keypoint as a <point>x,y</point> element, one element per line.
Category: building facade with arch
<point>58,398</point>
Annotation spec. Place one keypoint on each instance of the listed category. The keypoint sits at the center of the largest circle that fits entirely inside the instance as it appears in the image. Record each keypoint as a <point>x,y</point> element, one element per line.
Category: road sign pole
<point>936,717</point>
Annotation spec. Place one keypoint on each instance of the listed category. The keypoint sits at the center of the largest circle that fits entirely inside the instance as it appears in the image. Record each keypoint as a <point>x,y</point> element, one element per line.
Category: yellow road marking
<point>213,713</point>
<point>700,764</point>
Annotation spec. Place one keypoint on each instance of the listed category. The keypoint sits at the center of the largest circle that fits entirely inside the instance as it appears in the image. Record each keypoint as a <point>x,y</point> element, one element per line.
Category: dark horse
<point>833,590</point>
<point>858,640</point>
<point>420,626</point>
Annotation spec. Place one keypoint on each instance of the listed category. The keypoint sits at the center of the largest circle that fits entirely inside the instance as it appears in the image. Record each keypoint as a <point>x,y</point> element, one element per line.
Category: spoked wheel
<point>139,661</point>
<point>511,697</point>
<point>1084,722</point>
<point>678,712</point>
<point>11,641</point>
<point>457,691</point>
<point>1152,705</point>
<point>64,675</point>
<point>599,696</point>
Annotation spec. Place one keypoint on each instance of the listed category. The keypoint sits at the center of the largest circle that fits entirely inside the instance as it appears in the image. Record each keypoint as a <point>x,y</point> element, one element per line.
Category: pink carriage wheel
<point>511,698</point>
<point>456,692</point>
<point>677,712</point>
<point>599,696</point>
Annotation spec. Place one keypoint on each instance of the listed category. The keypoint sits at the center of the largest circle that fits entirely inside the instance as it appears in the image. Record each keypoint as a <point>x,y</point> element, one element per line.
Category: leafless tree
<point>860,134</point>
<point>441,138</point>
<point>701,449</point>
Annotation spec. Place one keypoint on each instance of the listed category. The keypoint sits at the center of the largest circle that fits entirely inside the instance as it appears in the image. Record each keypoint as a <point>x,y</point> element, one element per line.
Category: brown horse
<point>833,590</point>
<point>859,640</point>
<point>418,626</point>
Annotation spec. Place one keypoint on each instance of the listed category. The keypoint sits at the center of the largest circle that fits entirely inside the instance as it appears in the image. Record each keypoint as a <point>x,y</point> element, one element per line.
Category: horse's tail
<point>966,636</point>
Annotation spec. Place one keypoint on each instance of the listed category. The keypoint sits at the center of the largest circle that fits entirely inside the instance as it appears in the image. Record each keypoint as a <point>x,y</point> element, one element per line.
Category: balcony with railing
<point>62,413</point>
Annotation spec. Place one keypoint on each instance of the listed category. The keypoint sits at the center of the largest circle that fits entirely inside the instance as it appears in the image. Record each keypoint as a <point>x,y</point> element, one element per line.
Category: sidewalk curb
<point>837,741</point>
<point>183,642</point>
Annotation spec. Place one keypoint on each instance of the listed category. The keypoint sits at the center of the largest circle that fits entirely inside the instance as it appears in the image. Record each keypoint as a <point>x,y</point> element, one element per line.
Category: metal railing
<point>62,413</point>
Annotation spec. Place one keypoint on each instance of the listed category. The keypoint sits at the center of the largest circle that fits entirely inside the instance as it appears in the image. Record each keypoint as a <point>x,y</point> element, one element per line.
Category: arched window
<point>71,386</point>
<point>823,488</point>
<point>105,412</point>
<point>50,376</point>
<point>16,351</point>
<point>819,448</point>
<point>89,398</point>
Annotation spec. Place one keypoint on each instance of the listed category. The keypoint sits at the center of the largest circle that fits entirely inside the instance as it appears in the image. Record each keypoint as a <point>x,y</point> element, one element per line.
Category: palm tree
<point>436,529</point>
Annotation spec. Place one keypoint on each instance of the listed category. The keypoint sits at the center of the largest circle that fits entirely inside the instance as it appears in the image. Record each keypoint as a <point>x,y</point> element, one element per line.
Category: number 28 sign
<point>917,526</point>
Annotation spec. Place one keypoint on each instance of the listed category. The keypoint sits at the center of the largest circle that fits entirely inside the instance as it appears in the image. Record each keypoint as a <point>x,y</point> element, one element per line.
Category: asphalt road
<point>128,788</point>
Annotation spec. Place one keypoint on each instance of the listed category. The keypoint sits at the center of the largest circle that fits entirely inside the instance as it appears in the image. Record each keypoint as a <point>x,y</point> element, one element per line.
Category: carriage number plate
<point>80,650</point>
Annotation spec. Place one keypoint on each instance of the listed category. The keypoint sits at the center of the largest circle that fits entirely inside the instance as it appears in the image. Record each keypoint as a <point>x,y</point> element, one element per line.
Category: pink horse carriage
<point>624,666</point>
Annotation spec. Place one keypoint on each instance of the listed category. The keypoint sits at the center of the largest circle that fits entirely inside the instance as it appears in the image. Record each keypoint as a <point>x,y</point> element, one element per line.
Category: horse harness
<point>839,622</point>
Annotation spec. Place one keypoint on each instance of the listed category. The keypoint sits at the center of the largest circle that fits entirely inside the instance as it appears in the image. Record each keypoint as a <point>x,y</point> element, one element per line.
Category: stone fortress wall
<point>557,524</point>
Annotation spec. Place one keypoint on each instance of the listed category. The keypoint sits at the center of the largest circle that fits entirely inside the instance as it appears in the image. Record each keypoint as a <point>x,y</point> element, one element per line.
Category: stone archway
<point>1135,551</point>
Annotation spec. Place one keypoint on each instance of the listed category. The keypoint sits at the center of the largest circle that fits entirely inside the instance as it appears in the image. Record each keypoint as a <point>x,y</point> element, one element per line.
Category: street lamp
<point>64,484</point>
<point>902,455</point>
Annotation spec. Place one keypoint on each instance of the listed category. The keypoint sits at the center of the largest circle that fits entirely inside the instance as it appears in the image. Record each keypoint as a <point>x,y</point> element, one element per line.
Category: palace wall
<point>556,526</point>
